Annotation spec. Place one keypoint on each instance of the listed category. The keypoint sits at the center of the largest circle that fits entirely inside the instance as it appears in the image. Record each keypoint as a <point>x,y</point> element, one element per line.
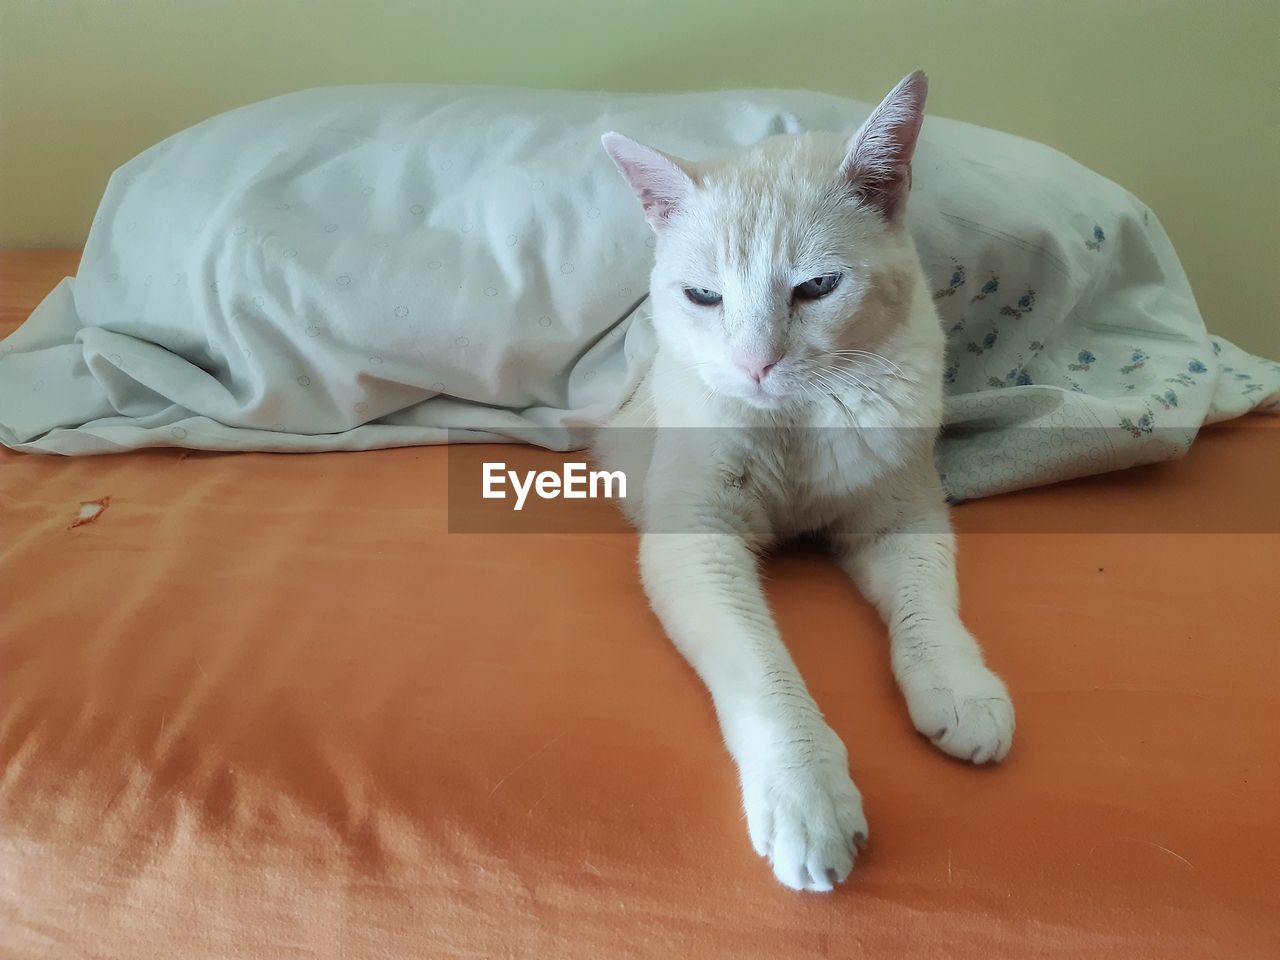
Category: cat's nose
<point>757,367</point>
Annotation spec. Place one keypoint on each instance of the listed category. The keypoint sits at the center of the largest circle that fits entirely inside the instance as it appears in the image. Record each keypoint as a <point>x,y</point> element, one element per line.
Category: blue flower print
<point>1168,400</point>
<point>1084,360</point>
<point>957,281</point>
<point>988,288</point>
<point>1137,360</point>
<point>1025,304</point>
<point>988,341</point>
<point>1015,377</point>
<point>1195,366</point>
<point>1098,239</point>
<point>1145,424</point>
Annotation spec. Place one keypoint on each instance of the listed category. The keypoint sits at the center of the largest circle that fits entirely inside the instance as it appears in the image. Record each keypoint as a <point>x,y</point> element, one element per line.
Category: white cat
<point>798,337</point>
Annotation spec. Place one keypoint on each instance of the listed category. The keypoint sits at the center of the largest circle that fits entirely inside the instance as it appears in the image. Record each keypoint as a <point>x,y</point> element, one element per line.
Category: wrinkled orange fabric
<point>267,706</point>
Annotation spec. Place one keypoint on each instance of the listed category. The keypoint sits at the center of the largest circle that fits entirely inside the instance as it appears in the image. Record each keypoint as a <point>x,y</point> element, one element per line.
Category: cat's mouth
<point>769,395</point>
<point>798,384</point>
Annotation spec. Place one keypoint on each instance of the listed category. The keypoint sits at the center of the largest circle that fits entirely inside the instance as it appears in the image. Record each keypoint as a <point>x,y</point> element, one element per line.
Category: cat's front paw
<point>805,816</point>
<point>962,707</point>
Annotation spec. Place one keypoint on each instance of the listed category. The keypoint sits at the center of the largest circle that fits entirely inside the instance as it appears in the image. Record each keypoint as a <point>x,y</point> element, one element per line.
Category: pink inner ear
<point>656,206</point>
<point>658,181</point>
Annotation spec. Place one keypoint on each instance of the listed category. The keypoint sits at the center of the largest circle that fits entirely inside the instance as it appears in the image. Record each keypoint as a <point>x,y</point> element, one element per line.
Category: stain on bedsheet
<point>90,510</point>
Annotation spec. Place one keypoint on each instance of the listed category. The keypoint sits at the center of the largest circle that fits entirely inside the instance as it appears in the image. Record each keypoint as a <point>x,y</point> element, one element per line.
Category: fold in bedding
<point>365,267</point>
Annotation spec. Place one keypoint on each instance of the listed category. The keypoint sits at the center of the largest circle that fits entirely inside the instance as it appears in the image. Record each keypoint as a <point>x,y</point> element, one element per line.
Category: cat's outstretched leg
<point>909,573</point>
<point>803,812</point>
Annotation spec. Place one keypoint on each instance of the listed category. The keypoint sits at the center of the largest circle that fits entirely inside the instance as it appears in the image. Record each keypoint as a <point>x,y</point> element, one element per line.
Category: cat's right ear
<point>661,182</point>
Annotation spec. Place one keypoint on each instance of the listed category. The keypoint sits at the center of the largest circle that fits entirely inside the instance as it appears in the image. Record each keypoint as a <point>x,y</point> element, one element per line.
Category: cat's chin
<point>757,400</point>
<point>763,401</point>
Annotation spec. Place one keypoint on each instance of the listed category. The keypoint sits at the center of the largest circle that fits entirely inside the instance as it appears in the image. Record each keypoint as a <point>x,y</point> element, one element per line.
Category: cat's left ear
<point>661,182</point>
<point>878,160</point>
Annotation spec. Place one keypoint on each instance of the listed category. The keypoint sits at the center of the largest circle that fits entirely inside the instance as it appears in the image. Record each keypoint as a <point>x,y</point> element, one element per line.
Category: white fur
<point>837,438</point>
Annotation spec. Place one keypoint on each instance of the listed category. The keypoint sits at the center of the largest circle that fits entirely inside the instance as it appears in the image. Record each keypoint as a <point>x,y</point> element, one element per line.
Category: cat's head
<point>771,262</point>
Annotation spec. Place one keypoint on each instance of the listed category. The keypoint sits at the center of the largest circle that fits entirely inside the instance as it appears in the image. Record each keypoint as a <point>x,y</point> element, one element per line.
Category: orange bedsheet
<point>267,706</point>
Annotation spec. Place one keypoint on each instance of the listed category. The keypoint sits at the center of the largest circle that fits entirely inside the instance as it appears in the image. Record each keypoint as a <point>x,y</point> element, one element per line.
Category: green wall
<point>1179,100</point>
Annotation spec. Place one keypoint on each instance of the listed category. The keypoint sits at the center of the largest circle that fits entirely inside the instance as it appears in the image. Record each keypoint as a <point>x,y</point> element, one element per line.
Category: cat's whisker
<point>834,391</point>
<point>842,365</point>
<point>831,378</point>
<point>830,383</point>
<point>708,391</point>
<point>810,392</point>
<point>848,363</point>
<point>858,365</point>
<point>848,376</point>
<point>822,377</point>
<point>871,355</point>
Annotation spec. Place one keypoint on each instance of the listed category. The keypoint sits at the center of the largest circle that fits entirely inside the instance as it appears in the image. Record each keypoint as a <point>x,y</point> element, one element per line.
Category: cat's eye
<point>702,296</point>
<point>818,287</point>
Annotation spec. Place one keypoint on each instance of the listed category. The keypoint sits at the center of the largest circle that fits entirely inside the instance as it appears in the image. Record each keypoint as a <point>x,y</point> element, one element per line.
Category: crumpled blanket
<point>363,267</point>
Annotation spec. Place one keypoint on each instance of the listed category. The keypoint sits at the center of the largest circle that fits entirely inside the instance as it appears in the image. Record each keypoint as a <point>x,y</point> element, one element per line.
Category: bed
<point>268,706</point>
